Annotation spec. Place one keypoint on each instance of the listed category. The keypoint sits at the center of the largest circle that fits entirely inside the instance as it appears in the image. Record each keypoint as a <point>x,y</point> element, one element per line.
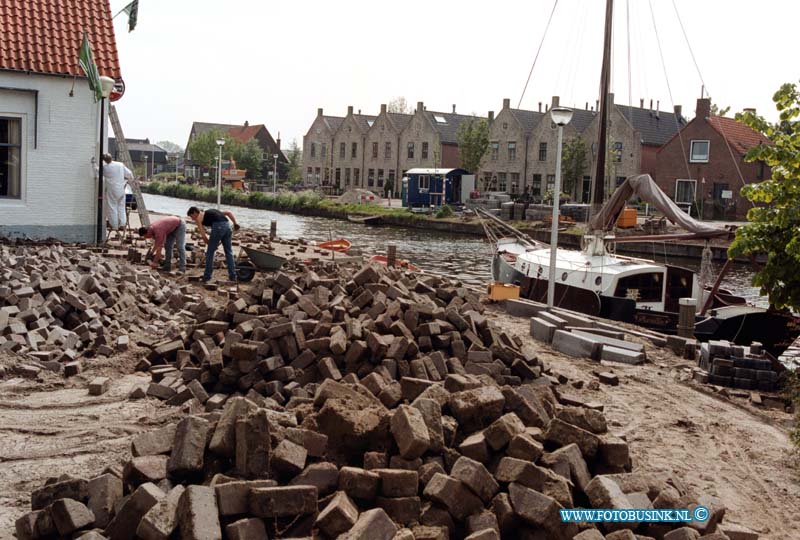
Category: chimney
<point>383,108</point>
<point>586,106</point>
<point>420,106</point>
<point>546,107</point>
<point>454,108</point>
<point>641,103</point>
<point>703,108</point>
<point>555,101</point>
<point>658,107</point>
<point>491,116</point>
<point>651,104</point>
<point>506,103</point>
<point>319,111</point>
<point>359,111</point>
<point>540,106</point>
<point>278,141</point>
<point>246,123</point>
<point>750,110</point>
<point>349,110</point>
<point>597,105</point>
<point>678,110</point>
<point>425,108</point>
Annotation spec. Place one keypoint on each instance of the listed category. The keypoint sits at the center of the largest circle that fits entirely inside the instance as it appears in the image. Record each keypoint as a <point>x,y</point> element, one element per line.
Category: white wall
<point>59,187</point>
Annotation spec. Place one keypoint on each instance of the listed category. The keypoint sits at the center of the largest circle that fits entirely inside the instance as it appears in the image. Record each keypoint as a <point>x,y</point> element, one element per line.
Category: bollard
<point>273,229</point>
<point>686,315</point>
<point>391,255</point>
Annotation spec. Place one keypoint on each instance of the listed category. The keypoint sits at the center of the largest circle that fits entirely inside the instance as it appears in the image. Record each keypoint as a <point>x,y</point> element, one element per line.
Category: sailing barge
<point>596,281</point>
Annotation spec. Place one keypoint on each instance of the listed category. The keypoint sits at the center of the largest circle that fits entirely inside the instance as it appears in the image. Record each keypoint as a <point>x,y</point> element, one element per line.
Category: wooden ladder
<point>122,148</point>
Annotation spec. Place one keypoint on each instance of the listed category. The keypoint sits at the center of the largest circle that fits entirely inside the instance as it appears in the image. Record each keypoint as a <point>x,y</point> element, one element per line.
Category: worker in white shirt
<point>115,176</point>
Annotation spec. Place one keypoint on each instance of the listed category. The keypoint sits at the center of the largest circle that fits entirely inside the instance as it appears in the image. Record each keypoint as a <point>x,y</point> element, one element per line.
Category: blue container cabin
<point>426,188</point>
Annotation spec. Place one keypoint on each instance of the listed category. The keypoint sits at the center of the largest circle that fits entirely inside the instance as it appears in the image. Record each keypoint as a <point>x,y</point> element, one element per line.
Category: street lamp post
<point>275,173</point>
<point>561,117</point>
<point>220,143</point>
<point>106,86</point>
<point>145,168</point>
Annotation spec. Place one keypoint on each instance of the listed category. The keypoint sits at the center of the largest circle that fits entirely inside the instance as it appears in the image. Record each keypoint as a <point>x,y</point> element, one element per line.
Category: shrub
<point>444,212</point>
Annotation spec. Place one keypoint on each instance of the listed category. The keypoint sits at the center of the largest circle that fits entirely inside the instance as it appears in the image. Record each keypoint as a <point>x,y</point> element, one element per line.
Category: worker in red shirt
<point>165,232</point>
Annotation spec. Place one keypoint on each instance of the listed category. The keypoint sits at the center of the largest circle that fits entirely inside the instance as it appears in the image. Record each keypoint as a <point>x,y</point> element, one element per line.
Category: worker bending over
<point>221,232</point>
<point>165,232</point>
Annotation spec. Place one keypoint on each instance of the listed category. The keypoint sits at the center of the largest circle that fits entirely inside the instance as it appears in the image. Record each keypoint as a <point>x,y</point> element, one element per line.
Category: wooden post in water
<point>391,255</point>
<point>686,311</point>
<point>273,229</point>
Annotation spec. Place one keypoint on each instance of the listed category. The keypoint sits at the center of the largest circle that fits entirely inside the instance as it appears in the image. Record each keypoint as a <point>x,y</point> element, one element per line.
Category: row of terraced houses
<point>698,162</point>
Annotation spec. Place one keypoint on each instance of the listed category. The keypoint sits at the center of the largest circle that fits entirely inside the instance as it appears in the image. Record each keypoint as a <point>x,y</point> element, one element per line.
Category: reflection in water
<point>467,257</point>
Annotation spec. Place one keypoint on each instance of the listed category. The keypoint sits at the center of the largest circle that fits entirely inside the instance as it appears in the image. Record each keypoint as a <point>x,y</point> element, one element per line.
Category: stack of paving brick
<point>59,304</point>
<point>463,458</point>
<point>736,366</point>
<point>374,408</point>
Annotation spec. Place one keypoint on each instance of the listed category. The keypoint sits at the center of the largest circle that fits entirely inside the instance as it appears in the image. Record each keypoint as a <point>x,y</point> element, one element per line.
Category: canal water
<point>463,256</point>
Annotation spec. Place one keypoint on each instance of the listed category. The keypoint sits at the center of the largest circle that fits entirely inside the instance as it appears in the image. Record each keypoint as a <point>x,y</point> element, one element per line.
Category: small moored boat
<point>365,220</point>
<point>340,245</point>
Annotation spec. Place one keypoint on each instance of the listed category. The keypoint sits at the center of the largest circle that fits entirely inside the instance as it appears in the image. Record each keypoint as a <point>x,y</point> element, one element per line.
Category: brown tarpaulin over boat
<point>644,186</point>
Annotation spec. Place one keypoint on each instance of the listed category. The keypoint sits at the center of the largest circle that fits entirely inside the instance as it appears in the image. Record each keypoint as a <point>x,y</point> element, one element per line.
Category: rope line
<point>546,28</point>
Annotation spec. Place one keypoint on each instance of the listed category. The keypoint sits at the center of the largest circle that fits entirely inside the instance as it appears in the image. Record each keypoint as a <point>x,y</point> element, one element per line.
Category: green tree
<point>716,110</point>
<point>295,156</point>
<point>473,143</point>
<point>246,155</point>
<point>774,225</point>
<point>203,148</point>
<point>398,105</point>
<point>573,165</point>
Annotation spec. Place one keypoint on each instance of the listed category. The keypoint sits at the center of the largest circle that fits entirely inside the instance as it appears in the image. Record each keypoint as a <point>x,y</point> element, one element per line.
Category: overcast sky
<point>276,62</point>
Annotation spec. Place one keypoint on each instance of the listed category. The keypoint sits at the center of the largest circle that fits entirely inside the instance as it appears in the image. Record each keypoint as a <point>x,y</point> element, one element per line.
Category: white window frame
<point>692,159</point>
<point>424,183</point>
<point>694,191</point>
<point>23,160</point>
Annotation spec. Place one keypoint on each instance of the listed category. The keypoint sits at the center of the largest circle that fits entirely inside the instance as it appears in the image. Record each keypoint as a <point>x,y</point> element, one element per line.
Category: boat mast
<point>598,193</point>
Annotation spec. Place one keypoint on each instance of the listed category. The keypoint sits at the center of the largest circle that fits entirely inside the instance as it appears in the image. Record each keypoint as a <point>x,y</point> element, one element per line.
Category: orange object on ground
<point>340,245</point>
<point>503,291</point>
<point>627,218</point>
<point>399,263</point>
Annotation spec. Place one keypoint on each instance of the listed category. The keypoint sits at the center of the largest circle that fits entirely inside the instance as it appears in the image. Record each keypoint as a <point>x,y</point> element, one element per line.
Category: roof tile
<point>44,36</point>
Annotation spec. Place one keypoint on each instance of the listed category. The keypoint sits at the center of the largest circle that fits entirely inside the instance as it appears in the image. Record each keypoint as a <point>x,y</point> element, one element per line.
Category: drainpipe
<point>525,165</point>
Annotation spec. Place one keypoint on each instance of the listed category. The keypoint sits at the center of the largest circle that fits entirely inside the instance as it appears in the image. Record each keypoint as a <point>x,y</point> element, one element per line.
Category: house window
<point>391,177</point>
<point>347,176</point>
<point>323,150</point>
<point>495,147</point>
<point>542,151</point>
<point>356,177</point>
<point>487,181</point>
<point>616,152</point>
<point>501,180</point>
<point>760,175</point>
<point>619,180</point>
<point>354,150</point>
<point>411,150</point>
<point>309,174</point>
<point>313,150</point>
<point>371,178</point>
<point>551,182</point>
<point>375,150</point>
<point>342,150</point>
<point>536,184</point>
<point>424,150</point>
<point>424,182</point>
<point>387,151</point>
<point>512,151</point>
<point>380,177</point>
<point>685,191</point>
<point>316,175</point>
<point>337,175</point>
<point>10,157</point>
<point>514,182</point>
<point>699,152</point>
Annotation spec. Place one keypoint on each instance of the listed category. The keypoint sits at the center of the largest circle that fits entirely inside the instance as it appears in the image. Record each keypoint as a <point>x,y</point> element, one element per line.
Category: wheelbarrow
<point>257,261</point>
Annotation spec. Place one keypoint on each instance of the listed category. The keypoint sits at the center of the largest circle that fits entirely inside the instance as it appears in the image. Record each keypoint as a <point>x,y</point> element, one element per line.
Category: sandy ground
<point>720,446</point>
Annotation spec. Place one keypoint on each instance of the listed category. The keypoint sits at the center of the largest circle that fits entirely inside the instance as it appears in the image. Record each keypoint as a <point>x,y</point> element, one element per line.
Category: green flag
<point>132,10</point>
<point>86,61</point>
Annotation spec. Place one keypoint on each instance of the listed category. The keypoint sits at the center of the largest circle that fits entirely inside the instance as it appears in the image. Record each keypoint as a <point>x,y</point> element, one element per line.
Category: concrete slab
<point>554,319</point>
<point>542,330</point>
<point>574,345</point>
<point>624,356</point>
<point>619,343</point>
<point>524,308</point>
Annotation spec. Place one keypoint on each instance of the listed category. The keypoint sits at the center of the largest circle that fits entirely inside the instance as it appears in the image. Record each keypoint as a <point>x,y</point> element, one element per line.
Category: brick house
<point>348,150</point>
<point>702,166</point>
<point>382,159</point>
<point>49,131</point>
<point>242,133</point>
<point>317,149</point>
